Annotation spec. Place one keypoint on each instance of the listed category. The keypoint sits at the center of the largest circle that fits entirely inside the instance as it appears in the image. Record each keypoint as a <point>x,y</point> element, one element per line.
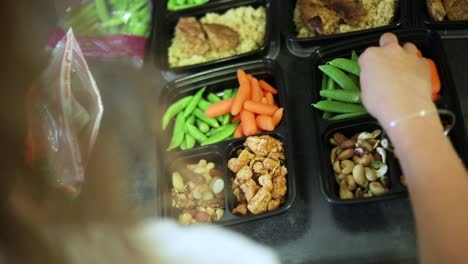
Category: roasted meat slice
<point>240,209</point>
<point>263,145</point>
<point>351,11</point>
<point>235,164</point>
<point>265,182</point>
<point>259,203</point>
<point>221,38</point>
<point>436,9</point>
<point>317,17</point>
<point>456,9</point>
<point>239,195</point>
<point>274,204</point>
<point>250,188</point>
<point>191,33</point>
<point>244,174</point>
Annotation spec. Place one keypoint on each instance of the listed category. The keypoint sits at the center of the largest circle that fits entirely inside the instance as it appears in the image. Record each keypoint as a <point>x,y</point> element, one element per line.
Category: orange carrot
<point>235,119</point>
<point>419,54</point>
<point>435,79</point>
<point>243,93</point>
<point>249,126</point>
<point>267,88</point>
<point>257,93</point>
<point>435,97</point>
<point>277,116</point>
<point>219,108</point>
<point>264,100</point>
<point>259,108</point>
<point>265,123</point>
<point>270,99</point>
<point>238,133</point>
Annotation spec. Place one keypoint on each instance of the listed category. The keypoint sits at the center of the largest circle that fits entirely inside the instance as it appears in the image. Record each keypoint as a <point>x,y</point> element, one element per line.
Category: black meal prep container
<point>216,81</point>
<point>210,3</point>
<point>430,44</point>
<point>444,27</point>
<point>269,49</point>
<point>303,47</point>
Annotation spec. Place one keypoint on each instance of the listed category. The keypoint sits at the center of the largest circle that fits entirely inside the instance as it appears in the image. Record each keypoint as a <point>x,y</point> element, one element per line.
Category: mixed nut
<point>260,183</point>
<point>360,165</point>
<point>198,191</point>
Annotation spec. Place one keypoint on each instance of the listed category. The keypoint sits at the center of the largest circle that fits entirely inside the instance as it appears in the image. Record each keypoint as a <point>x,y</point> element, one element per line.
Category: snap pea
<point>174,109</point>
<point>203,104</point>
<point>225,119</point>
<point>194,102</point>
<point>101,10</point>
<point>227,94</point>
<point>347,115</point>
<point>189,141</point>
<point>223,134</point>
<point>324,82</point>
<point>354,57</point>
<point>330,84</point>
<point>346,65</point>
<point>190,120</point>
<point>195,133</point>
<point>338,107</point>
<point>200,115</point>
<point>202,126</point>
<point>339,77</point>
<point>213,98</point>
<point>178,132</point>
<point>342,95</point>
<point>327,115</point>
<point>214,131</point>
<point>183,146</point>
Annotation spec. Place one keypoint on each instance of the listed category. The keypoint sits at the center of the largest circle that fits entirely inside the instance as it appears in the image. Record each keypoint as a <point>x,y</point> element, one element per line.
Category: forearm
<point>438,186</point>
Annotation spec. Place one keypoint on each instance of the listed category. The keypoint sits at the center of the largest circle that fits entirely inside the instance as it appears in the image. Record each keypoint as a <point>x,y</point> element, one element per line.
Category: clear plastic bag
<point>106,29</point>
<point>64,111</point>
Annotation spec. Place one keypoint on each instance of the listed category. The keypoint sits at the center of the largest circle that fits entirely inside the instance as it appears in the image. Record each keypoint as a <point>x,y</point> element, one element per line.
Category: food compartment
<point>428,43</point>
<point>215,84</point>
<point>261,177</point>
<point>195,188</point>
<point>210,36</point>
<point>355,166</point>
<point>440,11</point>
<point>300,40</point>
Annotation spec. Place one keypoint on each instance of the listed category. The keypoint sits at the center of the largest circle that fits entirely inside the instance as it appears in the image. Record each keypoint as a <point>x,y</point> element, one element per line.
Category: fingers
<point>410,48</point>
<point>388,39</point>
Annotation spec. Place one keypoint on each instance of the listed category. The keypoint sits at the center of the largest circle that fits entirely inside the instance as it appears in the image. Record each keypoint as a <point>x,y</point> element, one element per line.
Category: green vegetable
<point>327,115</point>
<point>342,95</point>
<point>221,135</point>
<point>194,102</point>
<point>225,119</point>
<point>338,107</point>
<point>203,104</point>
<point>214,131</point>
<point>213,98</point>
<point>191,120</point>
<point>102,11</point>
<point>227,94</point>
<point>347,115</point>
<point>189,141</point>
<point>174,109</point>
<point>324,82</point>
<point>178,132</point>
<point>330,84</point>
<point>354,56</point>
<point>202,126</point>
<point>201,115</point>
<point>339,77</point>
<point>183,146</point>
<point>376,164</point>
<point>346,65</point>
<point>195,133</point>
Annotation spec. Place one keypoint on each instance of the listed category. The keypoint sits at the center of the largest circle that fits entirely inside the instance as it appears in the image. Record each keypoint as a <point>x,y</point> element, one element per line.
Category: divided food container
<point>216,81</point>
<point>269,47</point>
<point>431,47</point>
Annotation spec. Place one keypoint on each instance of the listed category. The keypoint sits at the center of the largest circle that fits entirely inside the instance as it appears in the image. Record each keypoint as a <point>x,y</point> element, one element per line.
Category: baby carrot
<point>219,108</point>
<point>435,79</point>
<point>435,97</point>
<point>265,123</point>
<point>270,99</point>
<point>277,116</point>
<point>267,88</point>
<point>235,119</point>
<point>264,100</point>
<point>243,93</point>
<point>239,133</point>
<point>259,108</point>
<point>257,93</point>
<point>249,126</point>
<point>419,54</point>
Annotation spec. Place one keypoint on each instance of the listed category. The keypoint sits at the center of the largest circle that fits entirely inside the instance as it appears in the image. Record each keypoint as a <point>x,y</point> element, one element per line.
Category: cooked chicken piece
<point>436,9</point>
<point>244,174</point>
<point>273,204</point>
<point>235,164</point>
<point>240,209</point>
<point>263,145</point>
<point>265,182</point>
<point>259,202</point>
<point>351,11</point>
<point>270,164</point>
<point>250,188</point>
<point>276,156</point>
<point>246,156</point>
<point>259,168</point>
<point>282,171</point>
<point>221,38</point>
<point>239,195</point>
<point>190,31</point>
<point>279,187</point>
<point>317,17</point>
<point>456,9</point>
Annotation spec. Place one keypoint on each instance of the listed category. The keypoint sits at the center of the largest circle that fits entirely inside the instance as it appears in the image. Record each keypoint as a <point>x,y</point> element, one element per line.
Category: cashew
<point>364,160</point>
<point>345,154</point>
<point>333,154</point>
<point>365,135</point>
<point>347,166</point>
<point>376,133</point>
<point>208,195</point>
<point>370,174</point>
<point>344,192</point>
<point>177,182</point>
<point>366,145</point>
<point>199,170</point>
<point>377,188</point>
<point>340,177</point>
<point>199,190</point>
<point>359,177</point>
<point>382,171</point>
<point>202,163</point>
<point>383,154</point>
<point>210,166</point>
<point>336,166</point>
<point>350,182</point>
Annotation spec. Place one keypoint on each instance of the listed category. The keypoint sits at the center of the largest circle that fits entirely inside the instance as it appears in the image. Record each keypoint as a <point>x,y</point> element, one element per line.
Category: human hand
<point>395,81</point>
